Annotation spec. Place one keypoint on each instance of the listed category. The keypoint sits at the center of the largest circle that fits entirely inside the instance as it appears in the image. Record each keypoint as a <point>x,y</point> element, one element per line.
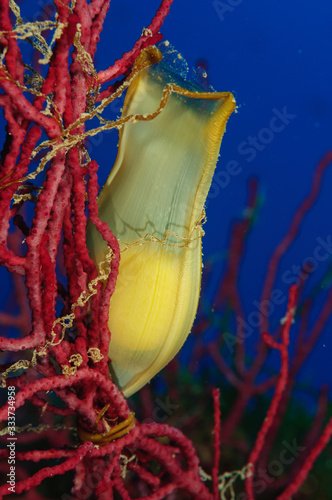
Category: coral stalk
<point>282,347</point>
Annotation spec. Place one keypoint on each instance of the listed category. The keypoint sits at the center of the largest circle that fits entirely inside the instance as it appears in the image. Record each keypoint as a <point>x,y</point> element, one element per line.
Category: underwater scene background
<point>275,58</point>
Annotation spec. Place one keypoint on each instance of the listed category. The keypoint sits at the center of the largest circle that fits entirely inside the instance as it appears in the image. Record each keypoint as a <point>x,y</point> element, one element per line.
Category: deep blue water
<point>276,58</point>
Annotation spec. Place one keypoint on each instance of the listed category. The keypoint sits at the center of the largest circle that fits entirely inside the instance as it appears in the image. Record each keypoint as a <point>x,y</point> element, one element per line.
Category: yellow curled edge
<point>153,201</point>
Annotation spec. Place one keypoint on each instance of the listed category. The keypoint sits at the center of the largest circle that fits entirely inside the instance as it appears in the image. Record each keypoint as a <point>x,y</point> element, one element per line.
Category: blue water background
<point>273,56</point>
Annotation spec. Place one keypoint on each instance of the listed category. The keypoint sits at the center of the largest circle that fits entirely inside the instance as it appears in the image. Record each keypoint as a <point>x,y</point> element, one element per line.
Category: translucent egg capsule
<point>153,201</point>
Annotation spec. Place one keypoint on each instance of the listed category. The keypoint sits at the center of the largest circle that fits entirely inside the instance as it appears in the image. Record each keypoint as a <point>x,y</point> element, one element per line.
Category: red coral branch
<point>62,353</point>
<point>216,443</point>
<point>150,36</point>
<point>279,390</point>
<point>37,478</point>
<point>66,355</point>
<point>309,462</point>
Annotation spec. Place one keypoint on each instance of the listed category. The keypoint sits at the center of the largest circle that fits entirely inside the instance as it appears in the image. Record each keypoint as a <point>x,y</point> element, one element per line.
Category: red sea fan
<point>66,354</point>
<point>63,413</point>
